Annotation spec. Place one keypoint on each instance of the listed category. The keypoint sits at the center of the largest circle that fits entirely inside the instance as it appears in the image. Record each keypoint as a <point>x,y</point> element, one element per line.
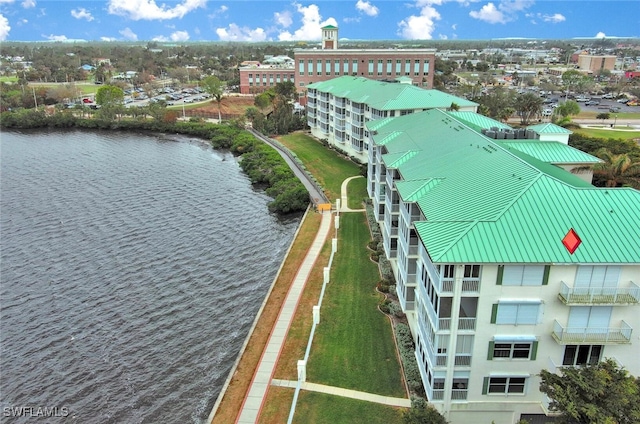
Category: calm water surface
<point>131,270</point>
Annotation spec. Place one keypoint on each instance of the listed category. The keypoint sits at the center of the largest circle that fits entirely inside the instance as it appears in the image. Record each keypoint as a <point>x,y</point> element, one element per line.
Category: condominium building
<point>338,109</point>
<point>505,263</point>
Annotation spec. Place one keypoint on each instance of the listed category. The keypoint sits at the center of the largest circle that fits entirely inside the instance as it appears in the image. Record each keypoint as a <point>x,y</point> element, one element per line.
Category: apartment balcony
<point>464,324</point>
<point>311,94</point>
<point>600,295</point>
<point>592,335</point>
<point>311,113</point>
<point>456,394</point>
<point>468,286</point>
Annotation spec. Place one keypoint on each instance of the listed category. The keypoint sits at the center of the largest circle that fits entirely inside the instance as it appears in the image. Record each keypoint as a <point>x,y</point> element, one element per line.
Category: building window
<point>416,67</point>
<point>379,66</point>
<point>319,67</point>
<point>581,355</point>
<point>472,271</point>
<point>388,67</point>
<point>523,275</point>
<point>425,68</point>
<point>407,66</point>
<point>327,67</point>
<point>516,313</point>
<point>370,68</point>
<point>513,350</point>
<point>504,385</point>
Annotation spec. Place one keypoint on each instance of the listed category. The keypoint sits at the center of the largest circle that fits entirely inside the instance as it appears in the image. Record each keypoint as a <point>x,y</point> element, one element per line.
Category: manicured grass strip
<point>587,114</point>
<point>230,405</point>
<point>320,408</point>
<point>353,345</point>
<point>357,192</point>
<point>277,405</point>
<point>602,133</point>
<point>329,168</point>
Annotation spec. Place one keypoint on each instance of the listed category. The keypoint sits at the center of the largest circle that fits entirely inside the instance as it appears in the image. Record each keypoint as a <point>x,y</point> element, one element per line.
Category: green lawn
<point>353,346</point>
<point>605,133</point>
<point>320,408</point>
<point>9,79</point>
<point>357,191</point>
<point>329,168</point>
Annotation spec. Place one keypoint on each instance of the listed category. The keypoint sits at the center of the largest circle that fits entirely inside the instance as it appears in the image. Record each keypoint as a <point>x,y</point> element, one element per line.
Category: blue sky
<point>274,20</point>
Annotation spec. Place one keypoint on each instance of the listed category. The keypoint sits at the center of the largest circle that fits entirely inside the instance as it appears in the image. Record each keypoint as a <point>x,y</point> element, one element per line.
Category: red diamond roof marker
<point>571,241</point>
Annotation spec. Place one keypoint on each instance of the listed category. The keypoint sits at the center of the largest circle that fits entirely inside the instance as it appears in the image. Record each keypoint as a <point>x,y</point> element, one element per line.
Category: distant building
<point>314,65</point>
<point>595,63</point>
<point>256,77</point>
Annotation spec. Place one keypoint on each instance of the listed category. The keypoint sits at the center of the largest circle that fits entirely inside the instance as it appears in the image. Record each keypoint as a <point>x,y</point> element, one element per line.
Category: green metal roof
<point>477,121</point>
<point>493,204</point>
<point>551,151</point>
<point>382,95</point>
<point>549,128</point>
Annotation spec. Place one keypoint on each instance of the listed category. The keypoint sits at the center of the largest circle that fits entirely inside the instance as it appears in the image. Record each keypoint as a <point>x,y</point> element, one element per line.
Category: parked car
<point>623,100</point>
<point>607,96</point>
<point>86,100</point>
<point>592,103</point>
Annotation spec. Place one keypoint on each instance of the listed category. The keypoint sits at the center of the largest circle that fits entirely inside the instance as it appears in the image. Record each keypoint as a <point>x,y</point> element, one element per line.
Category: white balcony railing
<point>599,295</point>
<point>592,335</point>
<point>468,286</point>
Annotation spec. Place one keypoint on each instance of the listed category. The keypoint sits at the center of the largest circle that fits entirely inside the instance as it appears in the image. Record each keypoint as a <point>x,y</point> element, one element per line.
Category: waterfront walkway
<point>264,372</point>
<point>263,376</point>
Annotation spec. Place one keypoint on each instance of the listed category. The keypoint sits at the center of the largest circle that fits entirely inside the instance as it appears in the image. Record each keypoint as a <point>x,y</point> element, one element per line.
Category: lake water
<point>132,268</point>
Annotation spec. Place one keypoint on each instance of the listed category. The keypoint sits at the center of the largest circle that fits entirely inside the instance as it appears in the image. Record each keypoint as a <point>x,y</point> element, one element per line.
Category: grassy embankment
<point>353,347</point>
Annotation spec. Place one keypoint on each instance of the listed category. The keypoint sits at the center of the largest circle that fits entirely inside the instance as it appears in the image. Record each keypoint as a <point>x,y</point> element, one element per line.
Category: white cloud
<point>367,8</point>
<point>600,35</point>
<point>109,39</point>
<point>28,4</point>
<point>420,27</point>
<point>283,19</point>
<point>489,13</point>
<point>235,33</point>
<point>6,1</point>
<point>506,11</point>
<point>149,10</point>
<point>56,37</point>
<point>176,37</point>
<point>128,34</point>
<point>443,36</point>
<point>555,18</point>
<point>311,24</point>
<point>4,28</point>
<point>454,27</point>
<point>82,13</point>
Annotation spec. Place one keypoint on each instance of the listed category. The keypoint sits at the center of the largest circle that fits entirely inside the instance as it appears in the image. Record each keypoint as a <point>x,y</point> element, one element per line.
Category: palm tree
<point>214,87</point>
<point>616,170</point>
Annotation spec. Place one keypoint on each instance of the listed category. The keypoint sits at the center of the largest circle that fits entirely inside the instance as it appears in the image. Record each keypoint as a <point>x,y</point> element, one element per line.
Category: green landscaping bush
<point>407,349</point>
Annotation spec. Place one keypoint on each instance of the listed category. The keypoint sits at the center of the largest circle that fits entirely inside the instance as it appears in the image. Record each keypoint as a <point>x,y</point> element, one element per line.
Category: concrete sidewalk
<point>339,391</point>
<point>264,372</point>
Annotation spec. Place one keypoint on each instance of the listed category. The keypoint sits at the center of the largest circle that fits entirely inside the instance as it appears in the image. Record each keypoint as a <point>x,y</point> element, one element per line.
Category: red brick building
<point>378,64</point>
<point>315,65</point>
